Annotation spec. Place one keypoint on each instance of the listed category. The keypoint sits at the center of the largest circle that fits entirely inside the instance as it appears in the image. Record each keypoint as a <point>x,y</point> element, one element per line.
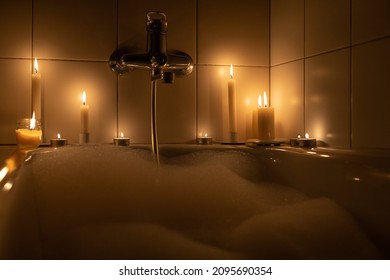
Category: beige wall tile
<point>73,29</point>
<point>287,91</point>
<point>15,96</point>
<point>370,19</point>
<point>134,106</point>
<point>287,30</point>
<point>175,108</point>
<point>371,99</point>
<point>327,98</point>
<point>15,28</point>
<point>234,32</point>
<point>326,25</point>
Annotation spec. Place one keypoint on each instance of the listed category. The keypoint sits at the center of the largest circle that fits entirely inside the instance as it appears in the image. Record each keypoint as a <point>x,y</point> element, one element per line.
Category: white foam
<point>111,202</point>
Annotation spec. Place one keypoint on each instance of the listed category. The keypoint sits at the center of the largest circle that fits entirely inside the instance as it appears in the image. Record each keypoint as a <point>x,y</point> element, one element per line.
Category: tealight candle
<point>121,141</point>
<point>204,140</point>
<point>58,142</point>
<point>305,142</point>
<point>294,141</point>
<point>28,133</point>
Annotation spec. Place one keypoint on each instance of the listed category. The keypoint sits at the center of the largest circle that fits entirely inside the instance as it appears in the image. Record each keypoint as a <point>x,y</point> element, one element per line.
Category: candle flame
<point>259,103</point>
<point>32,121</point>
<point>58,135</point>
<point>231,71</point>
<point>84,98</point>
<point>205,135</point>
<point>299,136</point>
<point>121,134</point>
<point>306,135</point>
<point>35,65</point>
<point>265,99</point>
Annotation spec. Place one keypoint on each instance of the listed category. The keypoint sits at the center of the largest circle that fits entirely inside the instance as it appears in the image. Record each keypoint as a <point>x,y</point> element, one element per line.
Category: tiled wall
<point>330,69</point>
<point>73,41</point>
<point>303,51</point>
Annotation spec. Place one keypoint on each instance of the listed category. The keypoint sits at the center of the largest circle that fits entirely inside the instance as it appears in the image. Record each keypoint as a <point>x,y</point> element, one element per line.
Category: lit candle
<point>36,98</point>
<point>58,142</point>
<point>232,106</point>
<point>204,140</point>
<point>294,141</point>
<point>84,113</point>
<point>305,142</point>
<point>121,141</point>
<point>28,133</point>
<point>263,120</point>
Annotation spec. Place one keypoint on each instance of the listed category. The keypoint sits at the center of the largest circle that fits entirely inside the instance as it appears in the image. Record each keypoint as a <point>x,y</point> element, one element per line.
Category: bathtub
<point>203,202</point>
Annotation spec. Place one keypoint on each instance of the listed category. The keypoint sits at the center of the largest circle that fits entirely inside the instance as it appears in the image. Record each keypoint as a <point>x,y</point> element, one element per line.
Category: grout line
<point>350,76</point>
<point>269,54</point>
<point>304,67</point>
<point>55,59</point>
<point>117,76</point>
<point>333,50</point>
<point>196,70</point>
<point>235,65</point>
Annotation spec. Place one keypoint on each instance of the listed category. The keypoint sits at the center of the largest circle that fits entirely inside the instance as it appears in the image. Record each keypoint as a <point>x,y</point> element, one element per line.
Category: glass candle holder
<point>28,133</point>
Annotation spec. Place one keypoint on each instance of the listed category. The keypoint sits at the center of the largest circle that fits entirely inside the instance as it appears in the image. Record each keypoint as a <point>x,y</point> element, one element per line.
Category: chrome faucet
<point>163,64</point>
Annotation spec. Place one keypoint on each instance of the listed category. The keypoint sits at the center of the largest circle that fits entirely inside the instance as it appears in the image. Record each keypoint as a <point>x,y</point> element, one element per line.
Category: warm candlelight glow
<point>204,139</point>
<point>231,71</point>
<point>58,135</point>
<point>265,100</point>
<point>306,135</point>
<point>121,134</point>
<point>35,65</point>
<point>3,173</point>
<point>84,98</point>
<point>33,121</point>
<point>263,126</point>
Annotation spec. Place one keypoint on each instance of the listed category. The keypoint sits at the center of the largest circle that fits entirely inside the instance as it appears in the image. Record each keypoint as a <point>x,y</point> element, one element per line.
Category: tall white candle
<point>36,98</point>
<point>84,112</point>
<point>232,106</point>
<point>263,120</point>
